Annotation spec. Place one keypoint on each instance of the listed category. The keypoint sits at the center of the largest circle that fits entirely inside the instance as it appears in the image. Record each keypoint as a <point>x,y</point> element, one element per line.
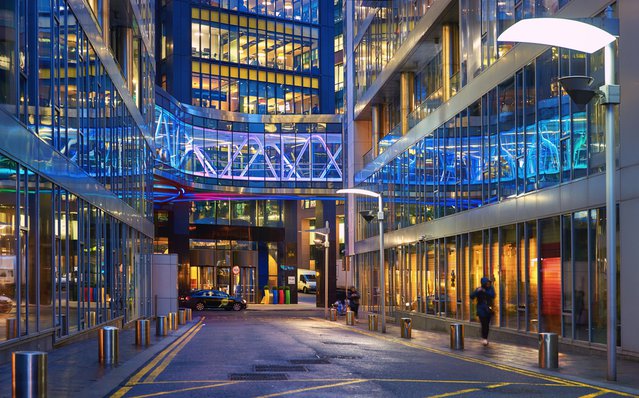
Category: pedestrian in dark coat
<point>353,301</point>
<point>485,294</point>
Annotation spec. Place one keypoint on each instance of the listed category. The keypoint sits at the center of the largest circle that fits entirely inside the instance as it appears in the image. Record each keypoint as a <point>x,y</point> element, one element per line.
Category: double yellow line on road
<point>157,365</point>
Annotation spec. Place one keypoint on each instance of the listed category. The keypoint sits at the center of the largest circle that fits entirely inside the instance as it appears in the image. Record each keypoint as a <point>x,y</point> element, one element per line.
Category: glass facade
<point>386,29</point>
<point>540,285</point>
<point>305,154</point>
<point>254,64</point>
<point>521,136</point>
<point>257,213</point>
<point>75,106</point>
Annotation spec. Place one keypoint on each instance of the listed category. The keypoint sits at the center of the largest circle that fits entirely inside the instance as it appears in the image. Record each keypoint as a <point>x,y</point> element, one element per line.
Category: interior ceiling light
<point>558,32</point>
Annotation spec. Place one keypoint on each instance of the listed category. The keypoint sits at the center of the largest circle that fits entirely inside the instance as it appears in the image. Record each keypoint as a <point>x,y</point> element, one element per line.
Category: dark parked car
<point>212,299</point>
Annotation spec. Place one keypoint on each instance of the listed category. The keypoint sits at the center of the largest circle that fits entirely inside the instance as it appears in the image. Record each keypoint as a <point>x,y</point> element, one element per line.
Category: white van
<point>306,283</point>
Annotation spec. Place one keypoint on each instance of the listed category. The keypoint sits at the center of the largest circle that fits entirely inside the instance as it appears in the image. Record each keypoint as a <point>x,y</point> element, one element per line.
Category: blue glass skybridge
<point>207,150</point>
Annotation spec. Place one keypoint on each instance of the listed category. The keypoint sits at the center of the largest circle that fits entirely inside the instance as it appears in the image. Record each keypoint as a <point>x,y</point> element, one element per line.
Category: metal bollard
<point>109,345</point>
<point>64,324</point>
<point>172,321</point>
<point>12,328</point>
<point>29,374</point>
<point>142,332</point>
<point>161,326</point>
<point>333,314</point>
<point>548,353</point>
<point>372,322</point>
<point>189,315</point>
<point>92,318</point>
<point>407,327</point>
<point>181,316</point>
<point>457,336</point>
<point>350,317</point>
<point>175,321</point>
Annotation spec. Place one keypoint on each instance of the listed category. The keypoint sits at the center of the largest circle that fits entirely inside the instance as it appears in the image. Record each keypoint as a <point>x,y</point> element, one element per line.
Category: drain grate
<point>337,343</point>
<point>258,376</point>
<point>312,361</point>
<point>343,356</point>
<point>280,368</point>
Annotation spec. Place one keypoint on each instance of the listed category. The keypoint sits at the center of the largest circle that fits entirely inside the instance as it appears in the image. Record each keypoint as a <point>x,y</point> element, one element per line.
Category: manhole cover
<point>280,368</point>
<point>312,361</point>
<point>258,376</point>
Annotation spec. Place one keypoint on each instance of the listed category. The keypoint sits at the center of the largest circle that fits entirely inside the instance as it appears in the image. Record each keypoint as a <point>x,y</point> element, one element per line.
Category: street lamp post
<point>324,232</point>
<point>380,220</point>
<point>587,38</point>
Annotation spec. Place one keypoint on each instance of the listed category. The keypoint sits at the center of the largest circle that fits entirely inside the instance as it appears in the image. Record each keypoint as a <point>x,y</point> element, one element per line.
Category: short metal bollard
<point>181,316</point>
<point>109,345</point>
<point>172,318</point>
<point>407,328</point>
<point>350,317</point>
<point>333,314</point>
<point>189,315</point>
<point>548,351</point>
<point>12,328</point>
<point>29,374</point>
<point>64,324</point>
<point>457,336</point>
<point>161,326</point>
<point>142,332</point>
<point>373,322</point>
<point>92,318</point>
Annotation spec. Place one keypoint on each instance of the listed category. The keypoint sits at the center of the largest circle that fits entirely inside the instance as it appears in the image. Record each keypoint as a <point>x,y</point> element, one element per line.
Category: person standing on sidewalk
<point>485,294</point>
<point>353,301</point>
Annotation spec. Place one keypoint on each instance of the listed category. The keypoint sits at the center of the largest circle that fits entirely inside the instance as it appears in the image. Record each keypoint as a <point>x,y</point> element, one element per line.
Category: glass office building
<point>487,168</point>
<point>77,106</point>
<point>245,127</point>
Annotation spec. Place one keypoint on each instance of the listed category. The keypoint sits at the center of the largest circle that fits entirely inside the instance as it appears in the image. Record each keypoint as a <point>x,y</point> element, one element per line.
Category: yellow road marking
<point>594,394</point>
<point>138,376</point>
<point>450,394</point>
<point>157,394</point>
<point>345,383</point>
<point>167,360</point>
<point>423,381</point>
<point>499,385</point>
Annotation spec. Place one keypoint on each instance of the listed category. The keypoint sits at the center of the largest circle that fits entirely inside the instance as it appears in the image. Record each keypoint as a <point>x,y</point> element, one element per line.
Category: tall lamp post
<point>380,220</point>
<point>324,232</point>
<point>587,38</point>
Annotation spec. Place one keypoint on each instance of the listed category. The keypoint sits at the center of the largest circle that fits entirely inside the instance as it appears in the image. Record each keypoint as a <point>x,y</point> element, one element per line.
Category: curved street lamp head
<point>358,191</point>
<point>558,32</point>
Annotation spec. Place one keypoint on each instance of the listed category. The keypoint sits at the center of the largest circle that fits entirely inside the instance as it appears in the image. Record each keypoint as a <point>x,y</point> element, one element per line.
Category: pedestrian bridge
<point>201,150</point>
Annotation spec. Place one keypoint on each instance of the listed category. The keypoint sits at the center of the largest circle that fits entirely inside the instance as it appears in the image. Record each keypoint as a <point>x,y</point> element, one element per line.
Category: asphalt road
<point>288,353</point>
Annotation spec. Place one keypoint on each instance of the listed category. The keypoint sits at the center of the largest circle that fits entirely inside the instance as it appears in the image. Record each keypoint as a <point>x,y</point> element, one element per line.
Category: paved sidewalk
<point>74,370</point>
<point>588,369</point>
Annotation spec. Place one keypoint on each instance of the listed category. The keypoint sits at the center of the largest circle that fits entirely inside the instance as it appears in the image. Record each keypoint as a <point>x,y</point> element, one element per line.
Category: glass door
<point>244,284</point>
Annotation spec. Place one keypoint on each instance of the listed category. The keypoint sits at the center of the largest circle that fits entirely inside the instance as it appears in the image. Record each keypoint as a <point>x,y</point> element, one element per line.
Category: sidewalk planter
<point>281,292</point>
<point>275,295</point>
<point>287,294</point>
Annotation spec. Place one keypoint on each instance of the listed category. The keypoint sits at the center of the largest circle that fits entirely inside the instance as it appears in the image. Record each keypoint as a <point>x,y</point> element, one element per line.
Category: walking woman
<point>485,294</point>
